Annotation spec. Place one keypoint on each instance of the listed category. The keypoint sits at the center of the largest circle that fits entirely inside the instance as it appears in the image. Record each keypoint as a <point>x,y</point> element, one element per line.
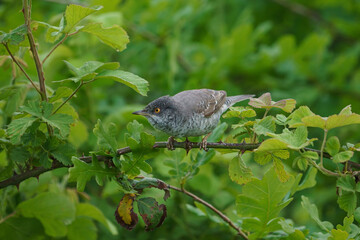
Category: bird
<point>189,113</point>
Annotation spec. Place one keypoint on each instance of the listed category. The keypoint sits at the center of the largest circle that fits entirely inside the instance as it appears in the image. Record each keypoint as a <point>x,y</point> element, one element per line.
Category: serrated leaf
<point>14,37</point>
<point>75,13</point>
<point>64,153</point>
<point>115,36</point>
<point>61,92</point>
<point>124,213</point>
<point>264,199</point>
<point>314,214</point>
<point>18,127</point>
<point>239,172</point>
<point>152,213</point>
<point>105,138</point>
<point>91,67</point>
<point>265,126</point>
<point>19,154</point>
<point>280,170</point>
<point>337,234</point>
<point>240,112</point>
<point>296,139</point>
<point>60,121</point>
<point>346,183</point>
<point>347,201</point>
<point>54,210</point>
<point>131,80</point>
<point>342,156</point>
<point>135,128</point>
<point>82,172</point>
<point>298,114</point>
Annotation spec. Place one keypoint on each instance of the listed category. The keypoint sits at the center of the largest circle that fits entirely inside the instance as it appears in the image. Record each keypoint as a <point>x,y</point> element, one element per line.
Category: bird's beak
<point>141,112</point>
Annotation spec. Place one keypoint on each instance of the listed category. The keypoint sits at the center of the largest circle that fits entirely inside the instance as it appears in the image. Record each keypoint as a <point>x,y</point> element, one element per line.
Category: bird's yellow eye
<point>157,110</point>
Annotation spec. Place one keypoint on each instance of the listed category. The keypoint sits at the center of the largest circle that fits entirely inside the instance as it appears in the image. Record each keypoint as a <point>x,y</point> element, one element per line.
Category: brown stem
<point>55,47</point>
<point>7,217</point>
<point>21,68</point>
<point>17,179</point>
<point>218,212</point>
<point>39,68</point>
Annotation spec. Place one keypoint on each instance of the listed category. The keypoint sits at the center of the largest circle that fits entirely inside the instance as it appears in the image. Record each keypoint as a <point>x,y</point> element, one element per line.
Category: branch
<point>27,16</point>
<point>218,212</point>
<point>66,100</point>
<point>21,68</point>
<point>17,179</point>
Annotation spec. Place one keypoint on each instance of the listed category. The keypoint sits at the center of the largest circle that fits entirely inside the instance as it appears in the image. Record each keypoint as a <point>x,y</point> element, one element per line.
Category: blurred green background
<point>306,50</point>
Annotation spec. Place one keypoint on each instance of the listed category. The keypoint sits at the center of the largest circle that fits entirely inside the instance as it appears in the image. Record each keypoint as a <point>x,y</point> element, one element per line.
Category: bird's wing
<point>205,101</point>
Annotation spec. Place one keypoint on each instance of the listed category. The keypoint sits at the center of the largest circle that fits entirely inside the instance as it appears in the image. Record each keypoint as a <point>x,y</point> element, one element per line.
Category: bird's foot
<point>188,145</point>
<point>203,143</point>
<point>170,143</point>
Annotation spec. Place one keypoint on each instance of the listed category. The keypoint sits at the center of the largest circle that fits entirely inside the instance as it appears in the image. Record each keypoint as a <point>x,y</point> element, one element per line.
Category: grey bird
<point>189,113</point>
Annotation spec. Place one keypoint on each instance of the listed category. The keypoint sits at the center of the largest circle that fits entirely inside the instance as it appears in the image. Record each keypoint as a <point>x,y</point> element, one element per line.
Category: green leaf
<point>332,145</point>
<point>19,154</point>
<point>114,36</point>
<point>294,139</point>
<point>152,213</point>
<point>105,137</point>
<point>240,112</point>
<point>309,180</point>
<point>91,211</point>
<point>357,214</point>
<point>265,126</point>
<point>64,153</point>
<point>14,37</point>
<point>61,92</point>
<point>264,199</point>
<point>337,234</point>
<point>54,210</point>
<point>135,128</point>
<point>346,224</point>
<point>139,149</point>
<point>133,81</point>
<point>82,229</point>
<point>271,144</point>
<point>310,155</point>
<point>298,114</point>
<point>346,183</point>
<point>343,156</point>
<point>314,214</point>
<point>21,228</point>
<point>280,170</point>
<point>75,13</point>
<point>82,172</point>
<point>347,201</point>
<point>61,122</point>
<point>239,172</point>
<point>18,127</point>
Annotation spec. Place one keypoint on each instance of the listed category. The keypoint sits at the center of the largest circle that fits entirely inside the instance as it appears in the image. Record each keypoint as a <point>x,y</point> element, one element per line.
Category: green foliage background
<point>243,47</point>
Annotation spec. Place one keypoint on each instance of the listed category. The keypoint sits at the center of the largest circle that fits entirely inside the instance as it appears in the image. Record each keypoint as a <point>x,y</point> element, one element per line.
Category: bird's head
<point>159,112</point>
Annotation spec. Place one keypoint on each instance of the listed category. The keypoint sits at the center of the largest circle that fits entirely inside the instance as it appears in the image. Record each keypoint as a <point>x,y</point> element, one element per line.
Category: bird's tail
<point>234,99</point>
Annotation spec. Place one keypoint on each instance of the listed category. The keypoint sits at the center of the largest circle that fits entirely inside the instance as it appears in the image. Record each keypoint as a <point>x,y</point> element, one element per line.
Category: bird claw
<point>203,145</point>
<point>188,145</point>
<point>170,143</point>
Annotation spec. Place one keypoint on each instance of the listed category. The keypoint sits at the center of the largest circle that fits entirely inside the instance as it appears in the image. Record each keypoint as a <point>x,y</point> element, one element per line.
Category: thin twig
<point>323,147</point>
<point>39,68</point>
<point>7,217</point>
<point>17,179</point>
<point>66,100</point>
<point>218,212</point>
<point>55,47</point>
<point>21,68</point>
